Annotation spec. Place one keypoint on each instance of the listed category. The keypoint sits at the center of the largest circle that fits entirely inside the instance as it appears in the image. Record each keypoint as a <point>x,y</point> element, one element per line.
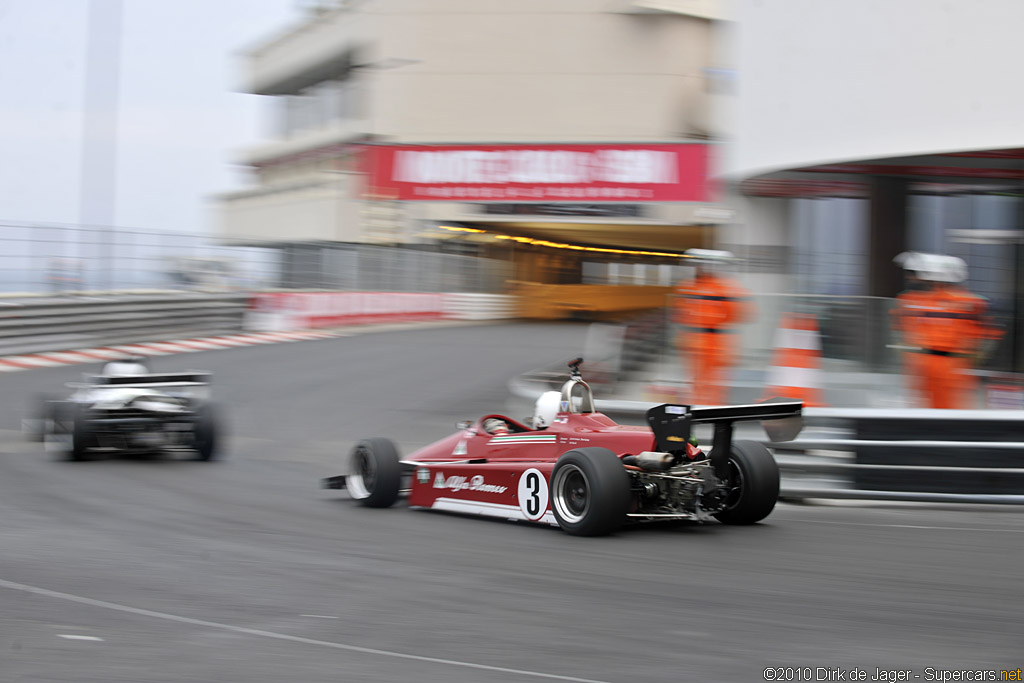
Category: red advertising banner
<point>592,173</point>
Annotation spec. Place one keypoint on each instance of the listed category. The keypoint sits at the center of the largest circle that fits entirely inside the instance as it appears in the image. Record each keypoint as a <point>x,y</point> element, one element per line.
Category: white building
<point>571,122</point>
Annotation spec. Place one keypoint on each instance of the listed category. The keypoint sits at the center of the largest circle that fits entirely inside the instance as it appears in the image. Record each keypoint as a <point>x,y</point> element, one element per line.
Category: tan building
<point>543,120</point>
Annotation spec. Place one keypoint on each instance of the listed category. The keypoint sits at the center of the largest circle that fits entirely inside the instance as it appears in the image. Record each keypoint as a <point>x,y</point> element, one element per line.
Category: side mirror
<point>463,424</point>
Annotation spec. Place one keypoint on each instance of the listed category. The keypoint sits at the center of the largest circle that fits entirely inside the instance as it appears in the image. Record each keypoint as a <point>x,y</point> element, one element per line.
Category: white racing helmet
<point>124,368</point>
<point>546,409</point>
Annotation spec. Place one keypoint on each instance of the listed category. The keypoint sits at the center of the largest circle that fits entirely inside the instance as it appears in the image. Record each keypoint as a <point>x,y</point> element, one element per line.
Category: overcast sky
<point>179,114</point>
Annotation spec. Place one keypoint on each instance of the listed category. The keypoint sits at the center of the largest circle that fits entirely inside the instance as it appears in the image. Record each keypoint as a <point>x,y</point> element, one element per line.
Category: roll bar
<point>570,387</point>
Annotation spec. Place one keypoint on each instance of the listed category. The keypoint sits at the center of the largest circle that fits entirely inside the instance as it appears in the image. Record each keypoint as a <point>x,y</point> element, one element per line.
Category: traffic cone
<point>796,373</point>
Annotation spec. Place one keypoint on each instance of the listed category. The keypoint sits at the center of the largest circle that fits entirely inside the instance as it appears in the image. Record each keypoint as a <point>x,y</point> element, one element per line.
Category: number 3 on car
<point>533,494</point>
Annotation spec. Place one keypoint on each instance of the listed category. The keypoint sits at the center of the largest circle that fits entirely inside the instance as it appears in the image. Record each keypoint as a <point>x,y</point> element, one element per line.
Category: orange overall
<point>904,321</point>
<point>709,306</point>
<point>947,325</point>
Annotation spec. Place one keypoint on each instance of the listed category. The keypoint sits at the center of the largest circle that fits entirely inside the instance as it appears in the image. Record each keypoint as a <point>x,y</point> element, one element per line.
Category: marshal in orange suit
<point>944,325</point>
<point>709,307</point>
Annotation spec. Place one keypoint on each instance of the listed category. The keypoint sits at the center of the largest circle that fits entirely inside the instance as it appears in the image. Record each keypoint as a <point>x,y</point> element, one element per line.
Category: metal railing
<point>56,258</point>
<point>964,456</point>
<point>40,325</point>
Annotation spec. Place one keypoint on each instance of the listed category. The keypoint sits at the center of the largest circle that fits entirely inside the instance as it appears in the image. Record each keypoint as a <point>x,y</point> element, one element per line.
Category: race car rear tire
<point>375,474</point>
<point>207,433</point>
<point>82,437</point>
<point>590,492</point>
<point>754,483</point>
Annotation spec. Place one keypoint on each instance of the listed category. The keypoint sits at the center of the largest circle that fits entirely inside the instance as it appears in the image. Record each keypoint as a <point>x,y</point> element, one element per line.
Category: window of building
<point>830,245</point>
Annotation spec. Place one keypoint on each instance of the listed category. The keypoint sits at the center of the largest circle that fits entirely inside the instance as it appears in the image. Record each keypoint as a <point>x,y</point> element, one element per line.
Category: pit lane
<point>181,569</point>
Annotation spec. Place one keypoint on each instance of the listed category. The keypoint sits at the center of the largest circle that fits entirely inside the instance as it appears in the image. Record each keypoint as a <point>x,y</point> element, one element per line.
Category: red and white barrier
<point>311,310</point>
<point>277,311</point>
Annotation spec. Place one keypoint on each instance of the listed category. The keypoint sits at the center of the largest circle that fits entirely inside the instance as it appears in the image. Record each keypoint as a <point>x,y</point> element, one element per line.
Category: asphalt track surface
<point>243,570</point>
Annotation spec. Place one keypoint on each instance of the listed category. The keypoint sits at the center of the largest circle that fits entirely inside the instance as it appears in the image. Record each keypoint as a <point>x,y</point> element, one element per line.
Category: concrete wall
<point>535,70</point>
<point>484,70</point>
<point>311,211</point>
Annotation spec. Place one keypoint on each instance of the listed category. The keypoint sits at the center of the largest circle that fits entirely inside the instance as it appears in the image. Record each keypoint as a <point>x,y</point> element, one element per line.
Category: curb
<point>163,348</point>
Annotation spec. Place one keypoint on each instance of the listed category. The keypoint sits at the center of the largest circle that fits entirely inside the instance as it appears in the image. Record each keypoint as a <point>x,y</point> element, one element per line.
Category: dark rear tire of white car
<point>590,492</point>
<point>375,474</point>
<point>753,483</point>
<point>82,437</point>
<point>207,434</point>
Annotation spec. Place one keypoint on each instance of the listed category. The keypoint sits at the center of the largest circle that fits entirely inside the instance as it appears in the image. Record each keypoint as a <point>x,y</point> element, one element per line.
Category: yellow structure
<point>586,302</point>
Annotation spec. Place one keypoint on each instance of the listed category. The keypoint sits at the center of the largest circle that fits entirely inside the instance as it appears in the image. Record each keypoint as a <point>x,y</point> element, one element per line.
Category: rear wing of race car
<point>671,425</point>
<point>168,379</point>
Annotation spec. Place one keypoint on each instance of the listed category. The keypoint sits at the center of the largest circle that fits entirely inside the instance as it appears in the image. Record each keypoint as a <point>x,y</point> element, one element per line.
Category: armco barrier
<point>466,306</point>
<point>909,454</point>
<point>40,324</point>
<point>276,311</point>
<point>925,455</point>
<point>35,325</point>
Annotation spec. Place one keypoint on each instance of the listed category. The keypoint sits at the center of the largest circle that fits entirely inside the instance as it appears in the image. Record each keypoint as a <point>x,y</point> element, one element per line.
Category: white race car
<point>126,409</point>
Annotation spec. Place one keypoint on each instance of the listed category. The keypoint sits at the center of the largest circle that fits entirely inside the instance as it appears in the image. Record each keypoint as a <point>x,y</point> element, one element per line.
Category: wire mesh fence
<point>53,258</point>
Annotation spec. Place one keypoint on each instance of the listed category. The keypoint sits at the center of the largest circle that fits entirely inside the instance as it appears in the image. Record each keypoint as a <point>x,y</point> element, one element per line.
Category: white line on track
<point>74,637</point>
<point>317,616</point>
<point>281,636</point>
<point>910,526</point>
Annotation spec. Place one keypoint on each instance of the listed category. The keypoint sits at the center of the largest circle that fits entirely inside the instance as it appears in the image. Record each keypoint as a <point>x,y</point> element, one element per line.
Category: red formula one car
<point>579,470</point>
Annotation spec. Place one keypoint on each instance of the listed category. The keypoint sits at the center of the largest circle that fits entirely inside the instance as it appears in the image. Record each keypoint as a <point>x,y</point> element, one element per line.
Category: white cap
<point>933,267</point>
<point>710,255</point>
<point>905,259</point>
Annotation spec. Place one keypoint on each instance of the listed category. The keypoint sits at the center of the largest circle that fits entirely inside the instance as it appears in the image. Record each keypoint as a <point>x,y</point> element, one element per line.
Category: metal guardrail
<point>923,455</point>
<point>29,325</point>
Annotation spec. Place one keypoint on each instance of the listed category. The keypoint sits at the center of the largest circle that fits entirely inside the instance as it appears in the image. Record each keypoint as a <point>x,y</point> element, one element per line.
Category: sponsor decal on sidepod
<point>457,483</point>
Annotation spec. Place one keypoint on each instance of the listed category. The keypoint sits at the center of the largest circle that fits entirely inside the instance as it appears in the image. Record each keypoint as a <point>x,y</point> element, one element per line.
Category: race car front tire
<point>375,474</point>
<point>590,492</point>
<point>754,484</point>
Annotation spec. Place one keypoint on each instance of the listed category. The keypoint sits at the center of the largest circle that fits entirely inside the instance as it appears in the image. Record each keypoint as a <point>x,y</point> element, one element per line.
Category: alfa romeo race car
<point>128,410</point>
<point>577,469</point>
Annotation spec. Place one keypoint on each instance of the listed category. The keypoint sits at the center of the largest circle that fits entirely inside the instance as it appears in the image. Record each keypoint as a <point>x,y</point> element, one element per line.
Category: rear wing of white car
<point>166,379</point>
